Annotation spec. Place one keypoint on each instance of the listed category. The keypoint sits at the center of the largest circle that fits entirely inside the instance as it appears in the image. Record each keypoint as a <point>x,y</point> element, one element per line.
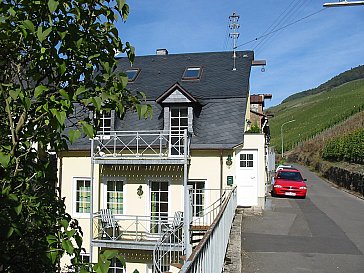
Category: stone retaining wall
<point>348,179</point>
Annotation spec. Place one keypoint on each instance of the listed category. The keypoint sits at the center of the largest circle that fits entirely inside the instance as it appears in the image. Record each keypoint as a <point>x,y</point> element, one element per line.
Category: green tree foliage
<point>49,51</point>
<point>254,128</point>
<point>348,148</point>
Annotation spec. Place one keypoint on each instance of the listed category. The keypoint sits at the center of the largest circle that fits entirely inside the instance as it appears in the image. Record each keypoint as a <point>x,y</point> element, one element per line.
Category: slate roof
<point>159,72</point>
<point>221,93</point>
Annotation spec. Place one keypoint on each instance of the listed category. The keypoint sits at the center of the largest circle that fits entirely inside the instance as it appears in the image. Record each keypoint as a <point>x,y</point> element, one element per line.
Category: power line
<point>279,20</point>
<point>289,16</point>
<point>276,30</point>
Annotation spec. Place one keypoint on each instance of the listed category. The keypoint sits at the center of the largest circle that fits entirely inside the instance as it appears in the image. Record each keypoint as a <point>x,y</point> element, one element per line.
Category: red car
<point>289,182</point>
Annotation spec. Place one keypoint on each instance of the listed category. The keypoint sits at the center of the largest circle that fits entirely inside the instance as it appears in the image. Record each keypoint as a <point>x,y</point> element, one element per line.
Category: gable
<point>176,97</point>
<point>176,94</point>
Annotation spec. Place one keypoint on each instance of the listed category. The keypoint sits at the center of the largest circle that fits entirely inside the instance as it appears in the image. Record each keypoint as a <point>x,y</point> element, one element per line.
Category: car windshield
<point>296,176</point>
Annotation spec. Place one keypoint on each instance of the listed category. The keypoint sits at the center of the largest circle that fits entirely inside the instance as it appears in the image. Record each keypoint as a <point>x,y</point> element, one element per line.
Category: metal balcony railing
<point>169,249</point>
<point>130,230</point>
<point>140,145</point>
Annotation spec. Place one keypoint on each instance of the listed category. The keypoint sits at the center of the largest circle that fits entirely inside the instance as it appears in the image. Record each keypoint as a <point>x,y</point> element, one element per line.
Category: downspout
<point>221,173</point>
<point>91,197</point>
<point>60,174</point>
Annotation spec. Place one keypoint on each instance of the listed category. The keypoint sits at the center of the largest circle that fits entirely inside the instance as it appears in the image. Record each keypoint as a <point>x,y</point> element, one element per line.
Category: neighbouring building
<point>141,178</point>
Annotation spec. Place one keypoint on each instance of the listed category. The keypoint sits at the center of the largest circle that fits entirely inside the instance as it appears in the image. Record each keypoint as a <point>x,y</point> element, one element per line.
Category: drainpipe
<point>221,172</point>
<point>60,174</point>
<point>91,197</point>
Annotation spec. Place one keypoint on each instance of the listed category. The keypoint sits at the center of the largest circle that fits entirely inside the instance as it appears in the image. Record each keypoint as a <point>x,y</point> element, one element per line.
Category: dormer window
<point>178,124</point>
<point>132,74</point>
<point>106,122</point>
<point>192,73</point>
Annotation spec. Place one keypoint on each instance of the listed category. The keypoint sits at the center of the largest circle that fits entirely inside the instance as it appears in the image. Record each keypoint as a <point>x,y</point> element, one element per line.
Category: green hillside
<point>314,113</point>
<point>347,76</point>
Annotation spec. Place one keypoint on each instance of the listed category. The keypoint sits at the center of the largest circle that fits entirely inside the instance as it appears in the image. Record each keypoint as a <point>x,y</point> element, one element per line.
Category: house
<point>161,174</point>
<point>257,103</point>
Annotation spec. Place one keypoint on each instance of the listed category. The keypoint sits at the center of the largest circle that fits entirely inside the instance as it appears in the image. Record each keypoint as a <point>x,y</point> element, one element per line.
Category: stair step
<point>199,228</point>
<point>198,233</point>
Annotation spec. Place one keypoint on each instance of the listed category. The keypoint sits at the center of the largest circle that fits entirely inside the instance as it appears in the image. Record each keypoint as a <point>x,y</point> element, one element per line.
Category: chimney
<point>162,51</point>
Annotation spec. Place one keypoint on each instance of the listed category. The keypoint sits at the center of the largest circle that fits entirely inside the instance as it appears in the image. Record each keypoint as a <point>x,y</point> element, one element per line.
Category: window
<point>114,196</point>
<point>159,205</point>
<point>116,266</point>
<point>105,123</point>
<point>192,73</point>
<point>246,160</point>
<point>132,74</point>
<point>85,258</point>
<point>179,123</point>
<point>296,176</point>
<point>198,197</point>
<point>83,195</point>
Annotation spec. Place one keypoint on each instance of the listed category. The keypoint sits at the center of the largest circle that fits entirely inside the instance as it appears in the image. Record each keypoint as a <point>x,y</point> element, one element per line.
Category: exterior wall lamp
<point>140,191</point>
<point>229,161</point>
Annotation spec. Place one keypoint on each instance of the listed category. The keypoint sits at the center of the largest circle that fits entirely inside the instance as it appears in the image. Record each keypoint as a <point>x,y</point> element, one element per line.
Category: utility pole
<point>234,26</point>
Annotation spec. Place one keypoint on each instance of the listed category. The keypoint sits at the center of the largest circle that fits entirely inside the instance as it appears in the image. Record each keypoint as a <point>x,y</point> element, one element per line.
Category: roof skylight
<point>192,73</point>
<point>132,74</point>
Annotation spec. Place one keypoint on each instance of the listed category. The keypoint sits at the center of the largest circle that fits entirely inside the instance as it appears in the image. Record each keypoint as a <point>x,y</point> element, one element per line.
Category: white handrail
<point>209,254</point>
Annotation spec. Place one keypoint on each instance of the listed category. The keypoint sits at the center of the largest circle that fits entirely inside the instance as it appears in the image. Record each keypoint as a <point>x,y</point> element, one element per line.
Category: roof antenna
<point>234,35</point>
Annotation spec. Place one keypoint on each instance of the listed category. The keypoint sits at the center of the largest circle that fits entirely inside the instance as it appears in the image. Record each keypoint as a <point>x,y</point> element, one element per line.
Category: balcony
<point>140,147</point>
<point>130,231</point>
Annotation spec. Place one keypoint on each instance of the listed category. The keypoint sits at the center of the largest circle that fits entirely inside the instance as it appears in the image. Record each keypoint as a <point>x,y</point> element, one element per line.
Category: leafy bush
<point>348,148</point>
<point>254,129</point>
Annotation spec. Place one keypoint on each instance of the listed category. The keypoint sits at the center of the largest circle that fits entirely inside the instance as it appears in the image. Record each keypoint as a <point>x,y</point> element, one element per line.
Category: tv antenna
<point>234,26</point>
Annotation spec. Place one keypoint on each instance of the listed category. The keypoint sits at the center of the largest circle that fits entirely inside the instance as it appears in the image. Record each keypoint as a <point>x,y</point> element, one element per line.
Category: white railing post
<point>187,216</point>
<point>137,143</point>
<point>160,143</point>
<point>115,144</point>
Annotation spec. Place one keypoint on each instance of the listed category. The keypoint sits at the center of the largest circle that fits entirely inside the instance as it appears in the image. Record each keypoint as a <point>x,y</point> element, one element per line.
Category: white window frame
<point>246,160</point>
<point>105,179</point>
<point>83,256</point>
<point>204,193</point>
<point>177,130</point>
<point>168,192</point>
<point>102,118</point>
<point>74,203</point>
<point>116,269</point>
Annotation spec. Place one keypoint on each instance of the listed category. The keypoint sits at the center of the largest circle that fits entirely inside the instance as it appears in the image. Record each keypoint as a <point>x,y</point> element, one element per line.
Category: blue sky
<point>299,57</point>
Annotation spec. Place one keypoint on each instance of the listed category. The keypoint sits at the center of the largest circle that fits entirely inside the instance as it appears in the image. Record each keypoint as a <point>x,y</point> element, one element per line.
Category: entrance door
<point>158,205</point>
<point>247,177</point>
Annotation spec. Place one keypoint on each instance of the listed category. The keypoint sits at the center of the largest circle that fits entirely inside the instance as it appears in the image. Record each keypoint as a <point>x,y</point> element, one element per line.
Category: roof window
<point>192,73</point>
<point>132,74</point>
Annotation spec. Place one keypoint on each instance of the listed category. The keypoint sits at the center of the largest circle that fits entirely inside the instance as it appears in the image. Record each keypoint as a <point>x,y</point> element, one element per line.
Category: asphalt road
<point>323,233</point>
